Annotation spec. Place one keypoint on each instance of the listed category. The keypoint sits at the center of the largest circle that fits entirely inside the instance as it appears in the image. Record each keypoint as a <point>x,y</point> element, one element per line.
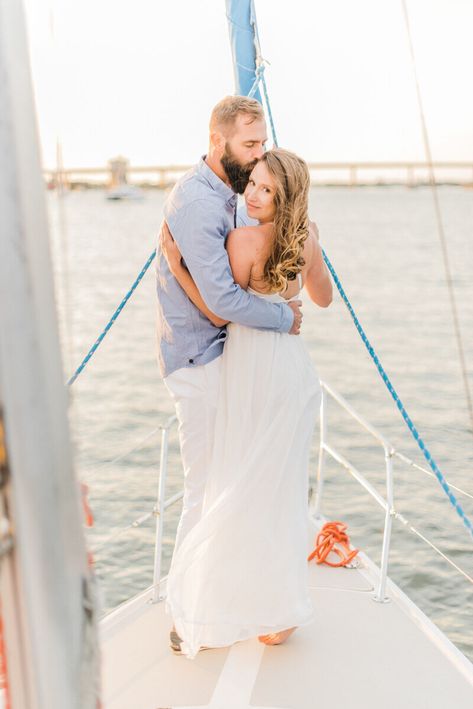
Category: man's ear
<point>217,141</point>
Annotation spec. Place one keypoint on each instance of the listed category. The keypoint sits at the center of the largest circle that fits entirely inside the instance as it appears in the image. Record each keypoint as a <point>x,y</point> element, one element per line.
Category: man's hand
<point>169,248</point>
<point>295,306</point>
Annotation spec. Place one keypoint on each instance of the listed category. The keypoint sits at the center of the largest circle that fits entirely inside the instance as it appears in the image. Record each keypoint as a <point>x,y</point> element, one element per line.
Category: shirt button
<point>191,361</point>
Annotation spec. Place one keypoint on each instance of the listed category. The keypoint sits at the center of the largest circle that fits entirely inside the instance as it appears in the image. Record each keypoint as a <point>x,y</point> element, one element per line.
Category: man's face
<point>242,151</point>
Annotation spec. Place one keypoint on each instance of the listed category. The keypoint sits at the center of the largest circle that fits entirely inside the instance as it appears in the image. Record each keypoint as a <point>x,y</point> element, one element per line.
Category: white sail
<point>47,612</point>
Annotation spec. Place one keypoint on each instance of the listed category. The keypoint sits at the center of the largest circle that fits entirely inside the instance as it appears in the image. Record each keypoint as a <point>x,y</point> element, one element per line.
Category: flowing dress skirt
<point>242,570</point>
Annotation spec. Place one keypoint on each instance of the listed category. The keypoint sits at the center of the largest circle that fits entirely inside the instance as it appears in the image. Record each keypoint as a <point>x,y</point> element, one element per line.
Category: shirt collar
<point>215,182</point>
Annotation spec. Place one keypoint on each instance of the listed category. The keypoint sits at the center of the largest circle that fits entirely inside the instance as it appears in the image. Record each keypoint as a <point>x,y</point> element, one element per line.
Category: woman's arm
<point>317,279</point>
<point>241,245</point>
<point>173,257</point>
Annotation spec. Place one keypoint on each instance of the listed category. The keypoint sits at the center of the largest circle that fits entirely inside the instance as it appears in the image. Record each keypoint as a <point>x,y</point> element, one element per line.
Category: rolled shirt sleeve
<point>200,236</point>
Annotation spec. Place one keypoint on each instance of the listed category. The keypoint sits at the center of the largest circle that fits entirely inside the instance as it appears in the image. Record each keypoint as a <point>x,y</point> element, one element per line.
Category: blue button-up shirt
<point>200,212</point>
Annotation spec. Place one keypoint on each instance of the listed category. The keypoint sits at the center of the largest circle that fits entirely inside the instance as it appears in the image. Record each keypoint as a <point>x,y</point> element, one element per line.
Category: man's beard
<point>238,175</point>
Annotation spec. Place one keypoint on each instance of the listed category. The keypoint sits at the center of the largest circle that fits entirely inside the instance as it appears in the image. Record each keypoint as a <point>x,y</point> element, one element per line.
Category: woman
<point>242,570</point>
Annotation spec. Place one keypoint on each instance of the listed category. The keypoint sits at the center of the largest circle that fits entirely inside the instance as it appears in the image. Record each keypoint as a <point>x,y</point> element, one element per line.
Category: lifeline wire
<point>399,404</point>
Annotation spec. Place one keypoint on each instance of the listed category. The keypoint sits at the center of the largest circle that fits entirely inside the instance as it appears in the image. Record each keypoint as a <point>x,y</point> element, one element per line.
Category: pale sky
<point>140,78</point>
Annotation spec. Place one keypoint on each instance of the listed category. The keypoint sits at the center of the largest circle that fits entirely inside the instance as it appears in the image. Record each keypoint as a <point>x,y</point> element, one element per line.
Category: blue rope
<point>259,75</point>
<point>112,320</point>
<point>270,114</point>
<point>399,403</point>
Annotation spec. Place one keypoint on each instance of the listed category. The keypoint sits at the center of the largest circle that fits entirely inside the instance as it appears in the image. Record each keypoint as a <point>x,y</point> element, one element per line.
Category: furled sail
<point>244,44</point>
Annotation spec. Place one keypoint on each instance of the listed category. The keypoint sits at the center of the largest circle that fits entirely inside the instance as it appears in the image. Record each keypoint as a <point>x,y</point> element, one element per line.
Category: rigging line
<point>115,315</point>
<point>67,324</point>
<point>136,447</point>
<point>270,113</point>
<point>412,529</point>
<point>66,320</point>
<point>415,433</point>
<point>440,227</point>
<point>259,75</point>
<point>118,532</point>
<point>410,462</point>
<point>261,62</point>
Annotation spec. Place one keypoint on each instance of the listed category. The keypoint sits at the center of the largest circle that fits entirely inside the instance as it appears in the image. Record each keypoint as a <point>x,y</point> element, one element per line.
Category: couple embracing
<point>245,389</point>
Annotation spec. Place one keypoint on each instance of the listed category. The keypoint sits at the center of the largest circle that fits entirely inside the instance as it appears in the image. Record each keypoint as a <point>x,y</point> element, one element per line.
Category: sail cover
<point>244,44</point>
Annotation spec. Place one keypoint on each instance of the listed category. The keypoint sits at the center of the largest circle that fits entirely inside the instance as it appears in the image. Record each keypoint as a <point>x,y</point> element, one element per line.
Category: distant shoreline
<point>336,174</point>
<point>82,186</point>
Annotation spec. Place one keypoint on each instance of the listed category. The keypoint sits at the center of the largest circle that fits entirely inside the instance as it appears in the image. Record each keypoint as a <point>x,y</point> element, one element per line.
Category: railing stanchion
<point>380,595</point>
<point>158,547</point>
<point>317,508</point>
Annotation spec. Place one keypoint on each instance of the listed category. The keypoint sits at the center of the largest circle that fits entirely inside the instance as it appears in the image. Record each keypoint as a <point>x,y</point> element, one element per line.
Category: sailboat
<point>370,644</point>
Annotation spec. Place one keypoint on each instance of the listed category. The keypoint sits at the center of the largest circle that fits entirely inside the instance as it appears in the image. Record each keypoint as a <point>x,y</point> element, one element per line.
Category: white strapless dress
<point>242,569</point>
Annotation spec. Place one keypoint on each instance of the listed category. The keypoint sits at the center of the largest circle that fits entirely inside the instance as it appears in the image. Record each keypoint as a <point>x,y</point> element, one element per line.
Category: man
<point>199,213</point>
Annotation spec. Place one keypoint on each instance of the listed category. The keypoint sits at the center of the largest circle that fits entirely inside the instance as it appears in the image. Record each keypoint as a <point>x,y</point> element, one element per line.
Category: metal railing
<point>161,505</point>
<point>386,503</point>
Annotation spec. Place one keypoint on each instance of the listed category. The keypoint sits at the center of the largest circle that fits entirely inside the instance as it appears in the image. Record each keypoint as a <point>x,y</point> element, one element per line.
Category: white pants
<point>195,393</point>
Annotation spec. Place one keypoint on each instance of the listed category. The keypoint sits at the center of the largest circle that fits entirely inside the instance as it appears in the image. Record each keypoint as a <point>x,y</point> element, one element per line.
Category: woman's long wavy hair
<point>291,218</point>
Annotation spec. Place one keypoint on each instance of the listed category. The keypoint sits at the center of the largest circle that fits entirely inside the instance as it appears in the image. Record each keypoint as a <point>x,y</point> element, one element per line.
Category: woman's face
<point>259,194</point>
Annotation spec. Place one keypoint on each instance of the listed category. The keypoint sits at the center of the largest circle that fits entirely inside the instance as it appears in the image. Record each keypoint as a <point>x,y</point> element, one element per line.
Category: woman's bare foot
<point>276,638</point>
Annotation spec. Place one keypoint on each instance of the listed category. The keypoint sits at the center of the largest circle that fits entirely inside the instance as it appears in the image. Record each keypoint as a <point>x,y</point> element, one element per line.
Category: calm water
<point>384,245</point>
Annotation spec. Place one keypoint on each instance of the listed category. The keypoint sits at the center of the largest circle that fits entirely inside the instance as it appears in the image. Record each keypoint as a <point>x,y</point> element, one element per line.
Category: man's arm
<point>201,242</point>
<point>181,274</point>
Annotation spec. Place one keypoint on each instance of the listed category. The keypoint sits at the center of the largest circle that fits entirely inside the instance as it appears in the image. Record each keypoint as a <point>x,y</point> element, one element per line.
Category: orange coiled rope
<point>331,534</point>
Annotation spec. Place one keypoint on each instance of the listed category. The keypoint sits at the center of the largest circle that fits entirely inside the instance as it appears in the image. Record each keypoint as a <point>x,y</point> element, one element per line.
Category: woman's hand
<point>170,249</point>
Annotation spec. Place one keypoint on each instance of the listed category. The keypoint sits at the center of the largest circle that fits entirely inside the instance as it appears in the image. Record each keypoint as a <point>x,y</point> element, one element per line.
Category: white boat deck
<point>357,653</point>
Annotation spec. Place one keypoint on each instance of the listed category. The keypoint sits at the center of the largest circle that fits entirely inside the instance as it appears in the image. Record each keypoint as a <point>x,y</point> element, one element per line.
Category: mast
<point>45,584</point>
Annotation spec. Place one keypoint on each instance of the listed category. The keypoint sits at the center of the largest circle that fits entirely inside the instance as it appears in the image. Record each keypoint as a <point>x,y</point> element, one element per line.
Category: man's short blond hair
<point>225,113</point>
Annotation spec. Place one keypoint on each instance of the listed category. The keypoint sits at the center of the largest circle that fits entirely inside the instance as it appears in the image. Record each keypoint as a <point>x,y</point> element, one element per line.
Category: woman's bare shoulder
<point>249,236</point>
<point>247,232</point>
